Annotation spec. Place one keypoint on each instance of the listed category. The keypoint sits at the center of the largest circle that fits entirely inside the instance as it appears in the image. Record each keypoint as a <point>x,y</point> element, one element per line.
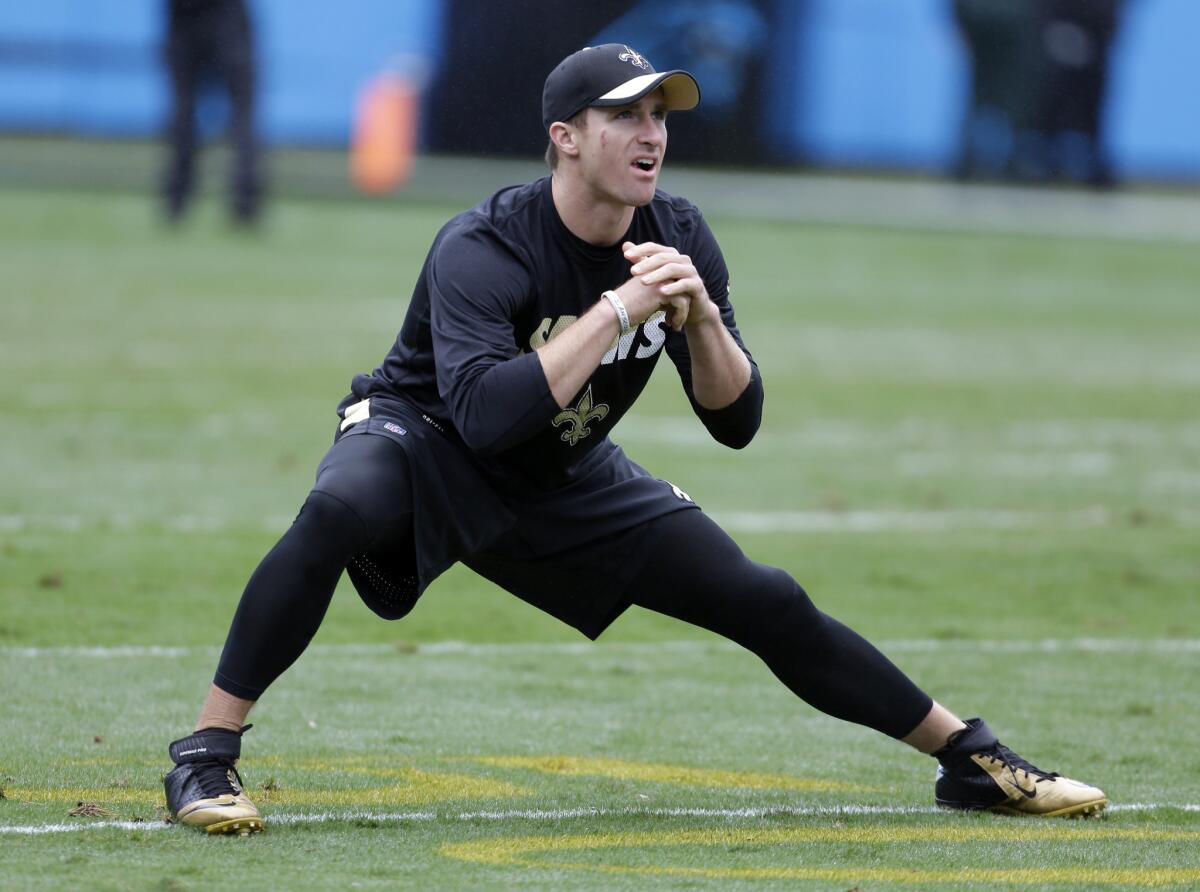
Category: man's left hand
<point>676,276</point>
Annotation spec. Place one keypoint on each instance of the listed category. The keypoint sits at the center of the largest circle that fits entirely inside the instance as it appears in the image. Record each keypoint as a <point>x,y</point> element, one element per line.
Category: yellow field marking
<point>524,851</point>
<point>419,788</point>
<point>575,766</point>
<point>100,795</point>
<point>669,774</point>
<point>358,764</point>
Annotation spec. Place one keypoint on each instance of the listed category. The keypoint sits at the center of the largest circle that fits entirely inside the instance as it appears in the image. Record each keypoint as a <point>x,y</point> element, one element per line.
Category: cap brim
<point>679,88</point>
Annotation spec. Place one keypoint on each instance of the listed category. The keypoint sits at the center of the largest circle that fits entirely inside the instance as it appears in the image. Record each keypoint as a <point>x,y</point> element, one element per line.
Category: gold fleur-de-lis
<point>579,417</point>
<point>633,57</point>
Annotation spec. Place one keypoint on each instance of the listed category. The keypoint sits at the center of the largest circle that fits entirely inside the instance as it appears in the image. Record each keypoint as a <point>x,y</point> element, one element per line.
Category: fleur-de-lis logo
<point>633,57</point>
<point>579,417</point>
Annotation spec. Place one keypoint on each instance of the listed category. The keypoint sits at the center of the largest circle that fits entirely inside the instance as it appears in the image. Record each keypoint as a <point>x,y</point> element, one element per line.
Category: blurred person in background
<point>1039,77</point>
<point>998,139</point>
<point>210,43</point>
<point>1076,38</point>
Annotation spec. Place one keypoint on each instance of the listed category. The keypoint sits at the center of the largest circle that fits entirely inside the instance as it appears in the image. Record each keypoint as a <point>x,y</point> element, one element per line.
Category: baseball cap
<point>608,75</point>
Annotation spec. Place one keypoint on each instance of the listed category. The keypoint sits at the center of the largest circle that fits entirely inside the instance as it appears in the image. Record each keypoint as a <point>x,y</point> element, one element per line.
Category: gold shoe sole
<point>240,826</point>
<point>1079,810</point>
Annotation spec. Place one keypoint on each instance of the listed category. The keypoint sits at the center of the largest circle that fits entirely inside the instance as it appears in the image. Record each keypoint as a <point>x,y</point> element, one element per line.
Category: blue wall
<point>878,83</point>
<point>94,66</point>
<point>860,82</point>
<point>883,82</point>
<point>1155,107</point>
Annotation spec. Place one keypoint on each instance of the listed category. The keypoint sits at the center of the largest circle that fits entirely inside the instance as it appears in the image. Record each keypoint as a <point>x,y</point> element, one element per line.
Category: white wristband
<point>619,305</point>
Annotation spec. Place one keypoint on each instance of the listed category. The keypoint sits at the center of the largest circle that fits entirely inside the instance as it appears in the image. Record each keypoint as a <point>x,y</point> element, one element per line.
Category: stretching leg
<point>361,498</point>
<point>823,662</point>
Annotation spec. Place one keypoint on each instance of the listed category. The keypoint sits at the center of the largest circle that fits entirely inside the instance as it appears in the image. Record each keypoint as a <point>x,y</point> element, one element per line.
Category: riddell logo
<point>633,57</point>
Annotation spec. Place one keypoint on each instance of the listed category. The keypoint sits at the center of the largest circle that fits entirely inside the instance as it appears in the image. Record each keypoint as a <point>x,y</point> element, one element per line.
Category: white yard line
<point>39,829</point>
<point>865,520</point>
<point>121,651</point>
<point>1172,481</point>
<point>907,521</point>
<point>919,433</point>
<point>582,648</point>
<point>1020,465</point>
<point>1047,645</point>
<point>561,814</point>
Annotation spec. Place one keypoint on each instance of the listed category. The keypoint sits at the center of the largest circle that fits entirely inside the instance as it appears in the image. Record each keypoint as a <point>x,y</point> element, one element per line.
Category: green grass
<point>1011,418</point>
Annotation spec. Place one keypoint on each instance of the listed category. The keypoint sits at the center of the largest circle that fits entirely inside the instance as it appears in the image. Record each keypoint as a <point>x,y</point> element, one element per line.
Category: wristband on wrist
<point>619,305</point>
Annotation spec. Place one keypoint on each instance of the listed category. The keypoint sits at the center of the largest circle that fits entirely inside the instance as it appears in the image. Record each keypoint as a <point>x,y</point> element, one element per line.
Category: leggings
<point>831,667</point>
<point>361,498</point>
<point>699,575</point>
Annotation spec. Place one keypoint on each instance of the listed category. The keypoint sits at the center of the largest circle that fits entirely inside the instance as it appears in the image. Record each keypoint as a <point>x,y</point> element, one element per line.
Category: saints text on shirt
<point>649,337</point>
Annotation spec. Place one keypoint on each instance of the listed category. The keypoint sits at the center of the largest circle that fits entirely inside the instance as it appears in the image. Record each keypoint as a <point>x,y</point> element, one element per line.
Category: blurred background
<point>1090,92</point>
<point>963,235</point>
<point>963,240</point>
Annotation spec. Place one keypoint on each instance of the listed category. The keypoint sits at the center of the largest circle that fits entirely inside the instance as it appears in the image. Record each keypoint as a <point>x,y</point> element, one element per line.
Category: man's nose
<point>652,131</point>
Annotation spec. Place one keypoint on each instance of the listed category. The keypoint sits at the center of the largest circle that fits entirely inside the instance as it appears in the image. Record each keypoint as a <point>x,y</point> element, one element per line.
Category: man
<point>1007,84</point>
<point>1076,39</point>
<point>534,325</point>
<point>207,40</point>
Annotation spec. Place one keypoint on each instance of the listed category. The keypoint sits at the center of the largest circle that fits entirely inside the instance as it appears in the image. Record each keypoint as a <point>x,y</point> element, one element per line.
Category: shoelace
<point>213,778</point>
<point>1013,762</point>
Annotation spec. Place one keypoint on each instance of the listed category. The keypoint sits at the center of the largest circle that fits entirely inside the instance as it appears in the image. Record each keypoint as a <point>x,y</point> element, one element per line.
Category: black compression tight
<point>361,497</point>
<point>701,577</point>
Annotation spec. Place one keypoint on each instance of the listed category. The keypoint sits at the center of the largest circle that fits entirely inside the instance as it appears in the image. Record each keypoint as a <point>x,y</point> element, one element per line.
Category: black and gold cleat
<point>204,788</point>
<point>978,773</point>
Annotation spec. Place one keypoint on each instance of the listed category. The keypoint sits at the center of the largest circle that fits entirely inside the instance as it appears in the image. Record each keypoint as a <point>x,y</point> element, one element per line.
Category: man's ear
<point>564,138</point>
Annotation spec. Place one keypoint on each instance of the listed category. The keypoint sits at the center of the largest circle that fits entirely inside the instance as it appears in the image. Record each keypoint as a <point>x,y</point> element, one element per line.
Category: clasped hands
<point>664,279</point>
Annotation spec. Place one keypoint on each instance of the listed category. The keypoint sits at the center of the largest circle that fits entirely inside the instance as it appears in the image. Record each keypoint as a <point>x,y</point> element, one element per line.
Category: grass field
<point>982,451</point>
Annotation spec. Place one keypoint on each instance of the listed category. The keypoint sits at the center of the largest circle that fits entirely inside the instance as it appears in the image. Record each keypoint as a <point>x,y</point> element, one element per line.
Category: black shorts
<point>571,553</point>
<point>586,587</point>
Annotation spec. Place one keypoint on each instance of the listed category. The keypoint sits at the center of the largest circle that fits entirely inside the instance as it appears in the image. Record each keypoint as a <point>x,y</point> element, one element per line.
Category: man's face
<point>621,149</point>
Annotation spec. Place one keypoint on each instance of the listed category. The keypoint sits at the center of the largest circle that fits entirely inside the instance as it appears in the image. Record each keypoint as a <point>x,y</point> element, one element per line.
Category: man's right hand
<point>643,301</point>
<point>569,360</point>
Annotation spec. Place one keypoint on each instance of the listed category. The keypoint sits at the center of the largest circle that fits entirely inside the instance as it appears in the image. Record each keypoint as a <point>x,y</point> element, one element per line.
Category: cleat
<point>204,789</point>
<point>978,773</point>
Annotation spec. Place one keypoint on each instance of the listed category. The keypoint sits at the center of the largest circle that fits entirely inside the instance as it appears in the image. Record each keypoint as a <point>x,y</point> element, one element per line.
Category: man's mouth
<point>645,164</point>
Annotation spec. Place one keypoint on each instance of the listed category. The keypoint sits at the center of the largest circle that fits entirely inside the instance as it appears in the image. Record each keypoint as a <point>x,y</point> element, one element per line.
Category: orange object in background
<point>385,135</point>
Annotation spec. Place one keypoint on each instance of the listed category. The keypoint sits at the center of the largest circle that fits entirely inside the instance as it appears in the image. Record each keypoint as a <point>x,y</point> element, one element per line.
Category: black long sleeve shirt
<point>505,277</point>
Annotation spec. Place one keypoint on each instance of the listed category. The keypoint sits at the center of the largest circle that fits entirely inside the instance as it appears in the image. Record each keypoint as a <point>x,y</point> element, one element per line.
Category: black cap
<point>612,74</point>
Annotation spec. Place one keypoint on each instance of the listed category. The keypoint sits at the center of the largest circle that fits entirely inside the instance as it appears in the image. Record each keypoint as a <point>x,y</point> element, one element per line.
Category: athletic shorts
<point>570,552</point>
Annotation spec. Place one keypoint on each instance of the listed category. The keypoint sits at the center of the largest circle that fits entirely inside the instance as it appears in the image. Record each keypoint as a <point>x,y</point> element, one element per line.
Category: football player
<point>483,437</point>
